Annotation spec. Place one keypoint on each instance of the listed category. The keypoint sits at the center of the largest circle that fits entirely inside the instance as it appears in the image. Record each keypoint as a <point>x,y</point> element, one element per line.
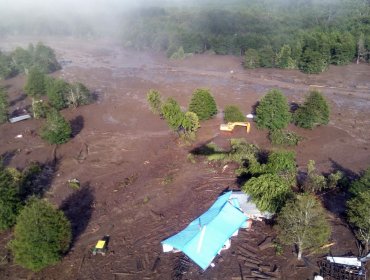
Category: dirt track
<point>139,186</point>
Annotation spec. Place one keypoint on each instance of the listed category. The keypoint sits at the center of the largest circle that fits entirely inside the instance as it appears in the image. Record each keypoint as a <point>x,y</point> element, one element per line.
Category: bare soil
<point>138,185</point>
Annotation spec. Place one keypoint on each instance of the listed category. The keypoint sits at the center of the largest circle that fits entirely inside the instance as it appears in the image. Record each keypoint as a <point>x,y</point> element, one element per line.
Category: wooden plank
<point>267,243</point>
<point>156,264</point>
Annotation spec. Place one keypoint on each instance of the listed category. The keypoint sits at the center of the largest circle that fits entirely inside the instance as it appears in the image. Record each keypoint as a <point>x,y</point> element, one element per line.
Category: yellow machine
<point>101,246</point>
<point>230,126</point>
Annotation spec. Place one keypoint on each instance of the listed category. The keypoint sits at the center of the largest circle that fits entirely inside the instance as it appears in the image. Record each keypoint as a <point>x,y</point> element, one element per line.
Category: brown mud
<point>139,186</point>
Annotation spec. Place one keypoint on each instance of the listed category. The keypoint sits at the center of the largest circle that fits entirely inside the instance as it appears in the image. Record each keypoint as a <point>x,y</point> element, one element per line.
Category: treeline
<point>291,34</point>
<point>22,60</point>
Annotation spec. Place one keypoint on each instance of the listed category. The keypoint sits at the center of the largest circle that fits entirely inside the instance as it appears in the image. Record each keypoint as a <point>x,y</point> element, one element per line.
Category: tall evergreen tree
<point>273,111</point>
<point>314,111</point>
<point>42,235</point>
<point>203,104</point>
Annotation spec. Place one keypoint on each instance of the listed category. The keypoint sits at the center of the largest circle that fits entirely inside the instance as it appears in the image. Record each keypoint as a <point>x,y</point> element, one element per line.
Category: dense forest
<point>294,34</point>
<point>308,35</point>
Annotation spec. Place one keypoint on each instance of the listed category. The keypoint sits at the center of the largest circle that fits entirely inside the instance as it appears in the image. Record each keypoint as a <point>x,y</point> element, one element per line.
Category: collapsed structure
<point>210,233</point>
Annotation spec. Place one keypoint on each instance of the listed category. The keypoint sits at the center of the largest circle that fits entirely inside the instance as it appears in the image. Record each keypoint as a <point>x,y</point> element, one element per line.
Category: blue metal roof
<point>203,238</point>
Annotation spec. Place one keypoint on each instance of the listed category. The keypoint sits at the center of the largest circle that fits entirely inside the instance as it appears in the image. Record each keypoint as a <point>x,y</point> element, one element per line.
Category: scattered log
<point>265,267</point>
<point>250,248</point>
<point>156,264</point>
<point>123,273</point>
<point>247,252</point>
<point>250,265</point>
<point>267,243</point>
<point>259,275</point>
<point>262,275</point>
<point>139,264</point>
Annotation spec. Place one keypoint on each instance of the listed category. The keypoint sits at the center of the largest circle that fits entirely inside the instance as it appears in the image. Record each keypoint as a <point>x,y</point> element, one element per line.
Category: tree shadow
<point>293,106</point>
<point>205,150</point>
<point>95,97</point>
<point>7,157</point>
<point>78,208</point>
<point>347,172</point>
<point>254,107</point>
<point>336,200</point>
<point>37,178</point>
<point>77,125</point>
<point>18,99</point>
<point>20,111</point>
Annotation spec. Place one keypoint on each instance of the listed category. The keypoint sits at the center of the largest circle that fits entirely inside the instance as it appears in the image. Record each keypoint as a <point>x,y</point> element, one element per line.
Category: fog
<point>107,17</point>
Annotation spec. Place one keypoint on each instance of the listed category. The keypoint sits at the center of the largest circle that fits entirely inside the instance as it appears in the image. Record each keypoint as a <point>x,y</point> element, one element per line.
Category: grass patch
<point>74,184</point>
<point>168,179</point>
<point>284,138</point>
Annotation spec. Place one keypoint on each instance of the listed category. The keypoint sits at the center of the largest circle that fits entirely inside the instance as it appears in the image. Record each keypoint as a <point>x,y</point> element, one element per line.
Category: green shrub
<point>361,184</point>
<point>39,109</point>
<point>251,59</point>
<point>155,101</point>
<point>273,111</point>
<point>10,202</point>
<point>35,85</point>
<point>7,69</point>
<point>78,95</point>
<point>172,113</point>
<point>56,91</point>
<point>203,104</point>
<point>233,114</point>
<point>268,191</point>
<point>358,216</point>
<point>284,137</point>
<point>179,54</point>
<point>56,129</point>
<point>41,236</point>
<point>3,105</point>
<point>39,56</point>
<point>315,111</point>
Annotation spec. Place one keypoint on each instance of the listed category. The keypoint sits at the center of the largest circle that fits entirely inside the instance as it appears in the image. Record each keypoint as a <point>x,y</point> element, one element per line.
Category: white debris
<point>250,116</point>
<point>19,136</point>
<point>351,261</point>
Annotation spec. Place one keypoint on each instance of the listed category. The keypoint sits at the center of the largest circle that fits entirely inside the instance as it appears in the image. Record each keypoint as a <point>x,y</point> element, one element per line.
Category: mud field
<point>139,186</point>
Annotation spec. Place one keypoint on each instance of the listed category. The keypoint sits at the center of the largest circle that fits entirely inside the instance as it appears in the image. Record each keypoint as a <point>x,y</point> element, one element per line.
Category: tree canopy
<point>35,85</point>
<point>232,113</point>
<point>272,111</point>
<point>56,130</point>
<point>41,236</point>
<point>203,104</point>
<point>172,113</point>
<point>155,101</point>
<point>3,105</point>
<point>302,222</point>
<point>10,202</point>
<point>315,111</point>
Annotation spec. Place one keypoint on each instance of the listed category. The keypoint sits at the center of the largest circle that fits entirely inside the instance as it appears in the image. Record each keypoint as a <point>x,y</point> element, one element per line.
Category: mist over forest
<point>295,34</point>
